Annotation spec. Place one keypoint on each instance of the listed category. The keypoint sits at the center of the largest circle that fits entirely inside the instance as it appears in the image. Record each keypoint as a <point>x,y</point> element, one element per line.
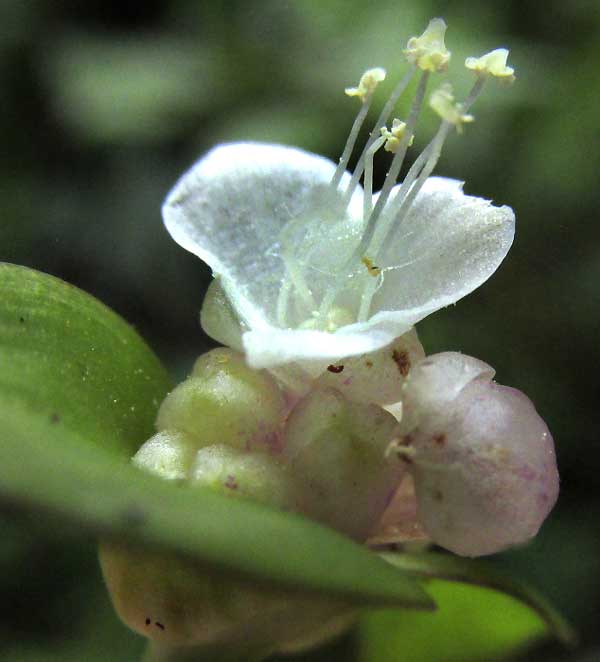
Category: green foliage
<point>69,364</point>
<point>482,615</point>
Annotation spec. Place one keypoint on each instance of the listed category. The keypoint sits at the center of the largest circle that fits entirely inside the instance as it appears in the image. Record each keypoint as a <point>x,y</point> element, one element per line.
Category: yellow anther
<point>428,51</point>
<point>394,136</point>
<point>367,84</point>
<point>443,102</point>
<point>492,64</point>
<point>336,317</point>
<point>371,268</point>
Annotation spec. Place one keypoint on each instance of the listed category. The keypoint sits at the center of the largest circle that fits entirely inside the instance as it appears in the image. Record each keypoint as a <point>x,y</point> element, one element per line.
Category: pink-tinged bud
<point>336,449</point>
<point>377,377</point>
<point>482,459</point>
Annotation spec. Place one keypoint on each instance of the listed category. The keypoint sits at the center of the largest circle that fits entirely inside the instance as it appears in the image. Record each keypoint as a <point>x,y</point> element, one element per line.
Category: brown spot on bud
<point>335,368</point>
<point>440,439</point>
<point>402,360</point>
<point>231,482</point>
<point>369,364</point>
<point>437,495</point>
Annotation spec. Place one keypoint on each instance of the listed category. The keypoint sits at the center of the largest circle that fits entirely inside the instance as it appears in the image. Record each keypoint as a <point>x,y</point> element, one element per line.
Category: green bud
<point>225,402</point>
<point>167,454</point>
<point>218,318</point>
<point>237,473</point>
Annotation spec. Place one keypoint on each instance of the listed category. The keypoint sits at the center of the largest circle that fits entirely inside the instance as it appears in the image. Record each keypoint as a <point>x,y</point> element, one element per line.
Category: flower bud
<point>177,602</point>
<point>218,318</point>
<point>243,474</point>
<point>337,450</point>
<point>481,457</point>
<point>225,402</point>
<point>377,377</point>
<point>167,454</point>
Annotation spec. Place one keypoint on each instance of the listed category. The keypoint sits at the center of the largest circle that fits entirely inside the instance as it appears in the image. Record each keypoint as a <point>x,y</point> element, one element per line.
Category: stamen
<point>381,121</point>
<point>390,180</point>
<point>382,222</point>
<point>368,183</point>
<point>420,171</point>
<point>393,137</point>
<point>492,64</point>
<point>395,167</point>
<point>367,296</point>
<point>413,182</point>
<point>366,87</point>
<point>282,301</point>
<point>428,51</point>
<point>415,178</point>
<point>371,268</point>
<point>443,102</point>
<point>292,278</point>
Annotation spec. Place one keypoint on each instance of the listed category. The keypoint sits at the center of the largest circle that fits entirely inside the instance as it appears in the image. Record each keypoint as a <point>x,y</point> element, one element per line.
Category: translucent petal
<point>447,246</point>
<point>255,212</point>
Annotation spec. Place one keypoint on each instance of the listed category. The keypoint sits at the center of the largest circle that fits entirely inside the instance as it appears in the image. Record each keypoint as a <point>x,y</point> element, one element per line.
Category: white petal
<point>242,204</point>
<point>270,347</point>
<point>447,246</point>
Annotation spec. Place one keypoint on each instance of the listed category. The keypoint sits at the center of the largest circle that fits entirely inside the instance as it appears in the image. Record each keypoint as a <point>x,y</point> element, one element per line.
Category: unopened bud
<point>225,402</point>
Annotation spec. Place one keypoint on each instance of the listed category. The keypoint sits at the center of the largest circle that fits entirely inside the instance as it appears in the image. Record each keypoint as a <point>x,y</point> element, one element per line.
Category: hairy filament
<point>354,131</point>
<point>381,121</point>
<point>396,166</point>
<point>368,182</point>
<point>413,182</point>
<point>391,177</point>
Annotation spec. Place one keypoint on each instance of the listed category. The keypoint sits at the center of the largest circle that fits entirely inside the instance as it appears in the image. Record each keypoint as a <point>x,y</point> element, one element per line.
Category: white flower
<point>314,268</point>
<point>253,211</point>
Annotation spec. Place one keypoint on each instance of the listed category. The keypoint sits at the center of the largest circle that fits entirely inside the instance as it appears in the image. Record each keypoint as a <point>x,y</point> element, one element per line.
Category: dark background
<point>104,104</point>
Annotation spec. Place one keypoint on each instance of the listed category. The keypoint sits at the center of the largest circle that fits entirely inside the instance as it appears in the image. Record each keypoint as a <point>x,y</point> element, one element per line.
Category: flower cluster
<point>326,403</point>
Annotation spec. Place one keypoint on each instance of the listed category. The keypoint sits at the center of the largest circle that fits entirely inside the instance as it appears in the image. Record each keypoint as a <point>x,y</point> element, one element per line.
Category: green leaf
<point>51,337</point>
<point>74,363</point>
<point>482,615</point>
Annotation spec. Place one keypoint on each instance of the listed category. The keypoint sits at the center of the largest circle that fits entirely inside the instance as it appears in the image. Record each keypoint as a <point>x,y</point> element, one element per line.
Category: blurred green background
<point>104,104</point>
